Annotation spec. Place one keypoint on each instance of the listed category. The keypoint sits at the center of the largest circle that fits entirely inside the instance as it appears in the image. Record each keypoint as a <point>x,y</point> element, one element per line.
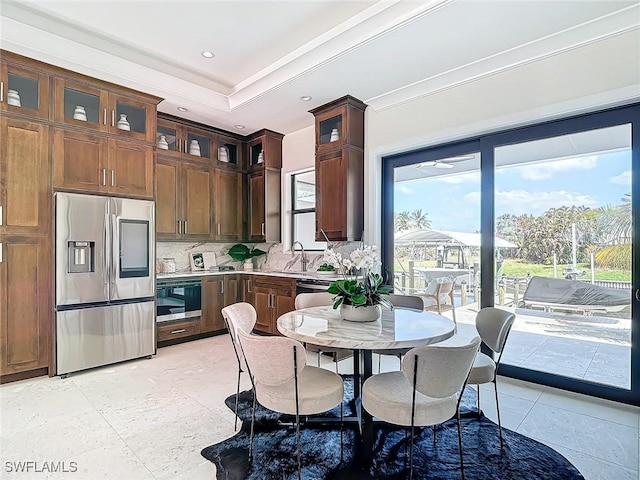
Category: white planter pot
<point>368,313</point>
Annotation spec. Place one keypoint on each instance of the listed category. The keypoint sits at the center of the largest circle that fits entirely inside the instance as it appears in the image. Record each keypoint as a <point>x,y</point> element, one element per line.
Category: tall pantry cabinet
<point>64,131</point>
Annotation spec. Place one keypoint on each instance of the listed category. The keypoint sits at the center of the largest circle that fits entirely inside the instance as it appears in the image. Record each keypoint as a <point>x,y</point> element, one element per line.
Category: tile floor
<point>149,419</point>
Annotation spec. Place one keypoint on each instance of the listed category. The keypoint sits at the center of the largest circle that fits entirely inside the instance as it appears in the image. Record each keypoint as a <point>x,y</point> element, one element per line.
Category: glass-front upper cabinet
<point>92,107</point>
<point>229,151</point>
<point>340,123</point>
<point>24,91</point>
<point>175,139</point>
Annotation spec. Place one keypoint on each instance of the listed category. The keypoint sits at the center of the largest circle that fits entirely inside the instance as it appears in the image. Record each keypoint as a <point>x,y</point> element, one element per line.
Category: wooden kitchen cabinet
<point>339,129</point>
<point>264,206</point>
<point>24,87</point>
<point>180,137</point>
<point>340,195</point>
<point>26,305</point>
<point>273,297</point>
<point>90,163</point>
<point>96,105</point>
<point>183,201</point>
<point>218,291</point>
<point>229,205</point>
<point>25,178</point>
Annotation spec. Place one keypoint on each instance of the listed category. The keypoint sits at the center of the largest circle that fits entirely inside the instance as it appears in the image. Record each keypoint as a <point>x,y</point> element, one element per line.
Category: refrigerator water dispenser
<point>81,258</point>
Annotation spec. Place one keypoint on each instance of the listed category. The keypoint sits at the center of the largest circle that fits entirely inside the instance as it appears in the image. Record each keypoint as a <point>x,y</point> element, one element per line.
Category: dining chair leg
<point>253,419</point>
<point>478,390</point>
<point>235,424</point>
<point>435,434</point>
<point>495,388</point>
<point>460,445</point>
<point>295,384</point>
<point>341,425</point>
<point>335,360</point>
<point>379,362</point>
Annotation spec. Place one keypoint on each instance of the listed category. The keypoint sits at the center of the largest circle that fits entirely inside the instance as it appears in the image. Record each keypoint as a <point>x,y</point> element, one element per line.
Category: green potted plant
<point>241,253</point>
<point>358,296</point>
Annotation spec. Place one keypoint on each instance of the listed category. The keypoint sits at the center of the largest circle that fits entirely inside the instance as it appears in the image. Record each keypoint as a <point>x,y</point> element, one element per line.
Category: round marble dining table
<point>399,328</point>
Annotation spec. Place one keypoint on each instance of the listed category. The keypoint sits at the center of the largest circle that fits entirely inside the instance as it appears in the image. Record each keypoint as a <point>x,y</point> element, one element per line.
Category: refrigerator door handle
<point>106,253</point>
<point>115,253</point>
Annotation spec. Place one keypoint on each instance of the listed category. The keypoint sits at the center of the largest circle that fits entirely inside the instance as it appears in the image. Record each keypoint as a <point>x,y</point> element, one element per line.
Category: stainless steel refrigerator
<point>105,280</point>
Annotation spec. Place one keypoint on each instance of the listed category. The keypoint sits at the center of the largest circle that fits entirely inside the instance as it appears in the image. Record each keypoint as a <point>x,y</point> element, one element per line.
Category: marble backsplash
<point>275,260</point>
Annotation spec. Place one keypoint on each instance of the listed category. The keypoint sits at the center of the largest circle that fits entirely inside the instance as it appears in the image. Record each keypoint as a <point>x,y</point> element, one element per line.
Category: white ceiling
<point>270,53</point>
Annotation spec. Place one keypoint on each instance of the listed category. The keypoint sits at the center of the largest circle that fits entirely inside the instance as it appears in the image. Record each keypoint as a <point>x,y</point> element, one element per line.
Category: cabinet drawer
<point>178,330</point>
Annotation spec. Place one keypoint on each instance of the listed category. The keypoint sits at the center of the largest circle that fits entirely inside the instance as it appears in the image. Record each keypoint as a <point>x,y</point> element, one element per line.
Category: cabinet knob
<point>182,330</point>
<point>113,178</point>
<point>1,92</point>
<point>262,229</point>
<point>104,177</point>
<point>113,118</point>
<point>0,253</point>
<point>104,116</point>
<point>0,215</point>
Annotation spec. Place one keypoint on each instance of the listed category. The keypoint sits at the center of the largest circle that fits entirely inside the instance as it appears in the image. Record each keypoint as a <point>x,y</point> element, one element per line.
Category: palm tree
<point>401,221</point>
<point>615,221</point>
<point>419,219</point>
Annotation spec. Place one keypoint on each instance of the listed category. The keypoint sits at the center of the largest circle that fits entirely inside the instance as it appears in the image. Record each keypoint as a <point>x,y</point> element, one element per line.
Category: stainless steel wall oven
<point>178,298</point>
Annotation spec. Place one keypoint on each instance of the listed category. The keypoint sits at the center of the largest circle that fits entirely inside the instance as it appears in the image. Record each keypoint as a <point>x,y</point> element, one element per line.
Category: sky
<point>452,202</point>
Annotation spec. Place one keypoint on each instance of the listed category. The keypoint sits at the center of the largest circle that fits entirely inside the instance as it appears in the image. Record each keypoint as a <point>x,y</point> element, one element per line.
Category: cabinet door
<point>130,169</point>
<point>212,304</point>
<point>232,286</point>
<point>81,105</point>
<point>262,304</point>
<point>24,91</point>
<point>171,133</point>
<point>284,302</point>
<point>256,207</point>
<point>199,145</point>
<point>228,202</point>
<point>331,196</point>
<point>131,118</point>
<point>25,303</point>
<point>25,185</point>
<point>79,161</point>
<point>197,202</point>
<point>247,289</point>
<point>167,199</point>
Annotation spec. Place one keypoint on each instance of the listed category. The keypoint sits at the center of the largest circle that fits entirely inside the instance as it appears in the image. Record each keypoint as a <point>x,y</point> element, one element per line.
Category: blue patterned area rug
<point>323,458</point>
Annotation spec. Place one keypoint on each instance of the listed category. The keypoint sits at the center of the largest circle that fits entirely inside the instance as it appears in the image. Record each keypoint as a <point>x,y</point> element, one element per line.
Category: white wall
<point>588,78</point>
<point>298,153</point>
<point>592,77</point>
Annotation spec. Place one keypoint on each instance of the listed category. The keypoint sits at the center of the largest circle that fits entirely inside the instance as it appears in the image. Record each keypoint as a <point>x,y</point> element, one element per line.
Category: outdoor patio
<point>590,347</point>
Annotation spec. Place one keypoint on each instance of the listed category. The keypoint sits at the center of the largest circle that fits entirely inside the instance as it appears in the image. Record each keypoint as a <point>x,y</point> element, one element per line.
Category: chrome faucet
<point>303,258</point>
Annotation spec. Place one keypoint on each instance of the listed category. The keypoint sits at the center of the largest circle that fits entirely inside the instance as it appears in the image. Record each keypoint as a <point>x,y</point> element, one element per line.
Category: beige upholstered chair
<point>319,299</point>
<point>239,316</point>
<point>493,325</point>
<point>411,302</point>
<point>283,383</point>
<point>439,297</point>
<point>426,392</point>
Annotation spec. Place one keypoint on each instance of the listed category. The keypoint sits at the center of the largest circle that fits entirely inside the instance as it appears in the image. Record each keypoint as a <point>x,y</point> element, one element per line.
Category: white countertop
<point>205,273</point>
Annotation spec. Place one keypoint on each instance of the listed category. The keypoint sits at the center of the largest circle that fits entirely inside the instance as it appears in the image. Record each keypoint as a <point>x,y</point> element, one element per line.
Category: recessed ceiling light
<point>182,109</point>
<point>305,98</point>
<point>208,54</point>
<point>240,127</point>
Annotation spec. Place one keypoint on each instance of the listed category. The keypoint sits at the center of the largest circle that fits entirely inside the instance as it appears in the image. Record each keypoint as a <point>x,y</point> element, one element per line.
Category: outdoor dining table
<point>399,328</point>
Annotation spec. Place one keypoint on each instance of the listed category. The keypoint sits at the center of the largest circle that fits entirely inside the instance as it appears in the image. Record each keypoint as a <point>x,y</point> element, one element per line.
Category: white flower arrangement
<point>364,258</point>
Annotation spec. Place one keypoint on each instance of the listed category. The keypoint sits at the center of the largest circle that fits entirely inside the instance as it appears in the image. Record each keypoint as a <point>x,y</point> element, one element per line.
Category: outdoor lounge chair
<point>574,295</point>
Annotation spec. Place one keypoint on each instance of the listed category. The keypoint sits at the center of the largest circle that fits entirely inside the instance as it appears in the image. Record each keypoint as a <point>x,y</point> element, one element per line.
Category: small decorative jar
<point>13,98</point>
<point>261,157</point>
<point>168,265</point>
<point>80,114</point>
<point>123,124</point>
<point>334,135</point>
<point>223,154</point>
<point>162,143</point>
<point>194,148</point>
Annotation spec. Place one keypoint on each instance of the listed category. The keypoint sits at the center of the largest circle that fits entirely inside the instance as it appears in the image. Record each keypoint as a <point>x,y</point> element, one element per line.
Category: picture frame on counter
<point>196,260</point>
<point>202,261</point>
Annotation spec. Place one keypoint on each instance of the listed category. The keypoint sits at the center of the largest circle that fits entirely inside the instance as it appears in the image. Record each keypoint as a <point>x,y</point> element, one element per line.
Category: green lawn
<point>516,268</point>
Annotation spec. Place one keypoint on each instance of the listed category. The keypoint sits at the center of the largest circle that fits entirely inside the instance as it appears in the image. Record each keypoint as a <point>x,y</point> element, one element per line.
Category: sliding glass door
<point>540,221</point>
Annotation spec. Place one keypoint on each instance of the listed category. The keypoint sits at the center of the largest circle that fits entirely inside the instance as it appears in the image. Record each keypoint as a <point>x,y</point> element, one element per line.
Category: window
<point>303,210</point>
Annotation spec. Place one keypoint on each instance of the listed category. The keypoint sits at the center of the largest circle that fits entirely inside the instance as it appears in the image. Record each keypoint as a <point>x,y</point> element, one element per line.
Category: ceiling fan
<point>444,164</point>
